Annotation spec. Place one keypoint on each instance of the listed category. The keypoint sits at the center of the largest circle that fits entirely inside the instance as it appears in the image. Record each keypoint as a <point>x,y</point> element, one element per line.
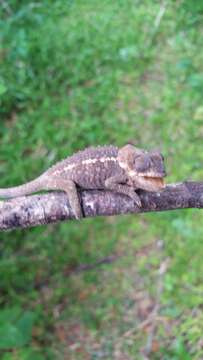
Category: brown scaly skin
<point>121,170</point>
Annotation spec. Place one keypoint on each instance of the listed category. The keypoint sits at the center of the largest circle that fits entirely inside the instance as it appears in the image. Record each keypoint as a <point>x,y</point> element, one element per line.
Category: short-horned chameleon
<point>122,170</point>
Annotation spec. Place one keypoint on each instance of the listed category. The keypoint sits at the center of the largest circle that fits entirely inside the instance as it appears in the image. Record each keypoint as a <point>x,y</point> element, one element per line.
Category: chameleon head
<point>144,169</point>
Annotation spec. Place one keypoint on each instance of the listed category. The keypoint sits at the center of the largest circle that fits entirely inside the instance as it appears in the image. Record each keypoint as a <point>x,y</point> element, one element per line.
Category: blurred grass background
<point>87,72</point>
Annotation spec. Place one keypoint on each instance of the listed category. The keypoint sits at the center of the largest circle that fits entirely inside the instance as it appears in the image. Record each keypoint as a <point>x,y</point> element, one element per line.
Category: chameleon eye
<point>142,163</point>
<point>159,157</point>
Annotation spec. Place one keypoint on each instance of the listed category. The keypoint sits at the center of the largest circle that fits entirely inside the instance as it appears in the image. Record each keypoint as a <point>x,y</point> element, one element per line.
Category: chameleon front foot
<point>74,201</point>
<point>77,211</point>
<point>135,197</point>
<point>69,187</point>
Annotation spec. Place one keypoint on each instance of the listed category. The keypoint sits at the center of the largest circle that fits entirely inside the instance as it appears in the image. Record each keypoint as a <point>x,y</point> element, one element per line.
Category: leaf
<point>199,113</point>
<point>196,81</point>
<point>10,337</point>
<point>3,88</point>
<point>25,325</point>
<point>15,329</point>
<point>24,354</point>
<point>9,315</point>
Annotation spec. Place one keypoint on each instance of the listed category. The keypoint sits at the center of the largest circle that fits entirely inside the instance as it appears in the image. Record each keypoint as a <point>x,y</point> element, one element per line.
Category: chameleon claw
<point>78,216</point>
<point>138,203</point>
<point>78,213</point>
<point>136,199</point>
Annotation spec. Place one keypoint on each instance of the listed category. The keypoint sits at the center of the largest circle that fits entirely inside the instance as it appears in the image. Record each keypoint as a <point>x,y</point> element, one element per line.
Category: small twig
<point>160,15</point>
<point>78,269</point>
<point>6,7</point>
<point>155,313</point>
<point>143,324</point>
<point>157,22</point>
<point>87,267</point>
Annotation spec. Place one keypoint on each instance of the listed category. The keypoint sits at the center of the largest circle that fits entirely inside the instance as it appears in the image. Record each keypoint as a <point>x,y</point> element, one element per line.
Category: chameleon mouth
<point>157,182</point>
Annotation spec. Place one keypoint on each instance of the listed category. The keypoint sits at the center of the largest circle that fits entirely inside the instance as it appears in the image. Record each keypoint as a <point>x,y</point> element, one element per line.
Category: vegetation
<point>74,74</point>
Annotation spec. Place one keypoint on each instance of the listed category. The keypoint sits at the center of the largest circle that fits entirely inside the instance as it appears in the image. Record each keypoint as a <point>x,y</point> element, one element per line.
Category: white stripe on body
<point>84,162</point>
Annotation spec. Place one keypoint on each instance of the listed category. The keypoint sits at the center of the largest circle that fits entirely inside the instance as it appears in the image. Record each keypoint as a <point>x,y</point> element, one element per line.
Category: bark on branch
<point>52,207</point>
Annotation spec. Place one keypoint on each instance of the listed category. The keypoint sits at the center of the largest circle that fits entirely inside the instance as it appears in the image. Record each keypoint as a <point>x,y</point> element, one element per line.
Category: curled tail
<point>25,189</point>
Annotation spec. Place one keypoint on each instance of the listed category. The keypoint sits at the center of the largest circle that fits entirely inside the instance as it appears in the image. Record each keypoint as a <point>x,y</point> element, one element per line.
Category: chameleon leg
<point>71,190</point>
<point>114,183</point>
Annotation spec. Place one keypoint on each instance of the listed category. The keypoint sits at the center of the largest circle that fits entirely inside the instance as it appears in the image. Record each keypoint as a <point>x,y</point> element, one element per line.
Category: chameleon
<point>121,170</point>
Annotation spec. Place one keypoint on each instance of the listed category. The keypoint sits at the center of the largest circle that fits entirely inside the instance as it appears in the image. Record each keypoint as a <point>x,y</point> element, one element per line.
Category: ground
<point>89,72</point>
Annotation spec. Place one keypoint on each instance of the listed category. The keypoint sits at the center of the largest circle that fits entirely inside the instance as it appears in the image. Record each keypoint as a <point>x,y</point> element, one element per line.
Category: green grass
<point>74,74</point>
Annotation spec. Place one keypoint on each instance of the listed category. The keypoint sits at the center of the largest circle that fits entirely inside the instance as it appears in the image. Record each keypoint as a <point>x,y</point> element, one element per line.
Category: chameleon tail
<point>25,189</point>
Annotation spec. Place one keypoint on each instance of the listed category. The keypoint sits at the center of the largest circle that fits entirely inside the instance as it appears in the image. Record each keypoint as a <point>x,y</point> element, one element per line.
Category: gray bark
<point>52,207</point>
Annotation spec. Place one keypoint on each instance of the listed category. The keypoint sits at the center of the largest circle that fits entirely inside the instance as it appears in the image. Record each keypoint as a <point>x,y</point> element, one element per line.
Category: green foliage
<point>15,328</point>
<point>74,74</point>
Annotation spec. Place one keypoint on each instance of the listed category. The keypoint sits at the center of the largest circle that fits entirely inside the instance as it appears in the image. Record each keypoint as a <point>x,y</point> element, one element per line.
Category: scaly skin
<point>107,167</point>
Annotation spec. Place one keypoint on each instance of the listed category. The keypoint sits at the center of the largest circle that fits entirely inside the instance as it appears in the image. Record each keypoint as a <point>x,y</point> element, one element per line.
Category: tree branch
<point>52,207</point>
